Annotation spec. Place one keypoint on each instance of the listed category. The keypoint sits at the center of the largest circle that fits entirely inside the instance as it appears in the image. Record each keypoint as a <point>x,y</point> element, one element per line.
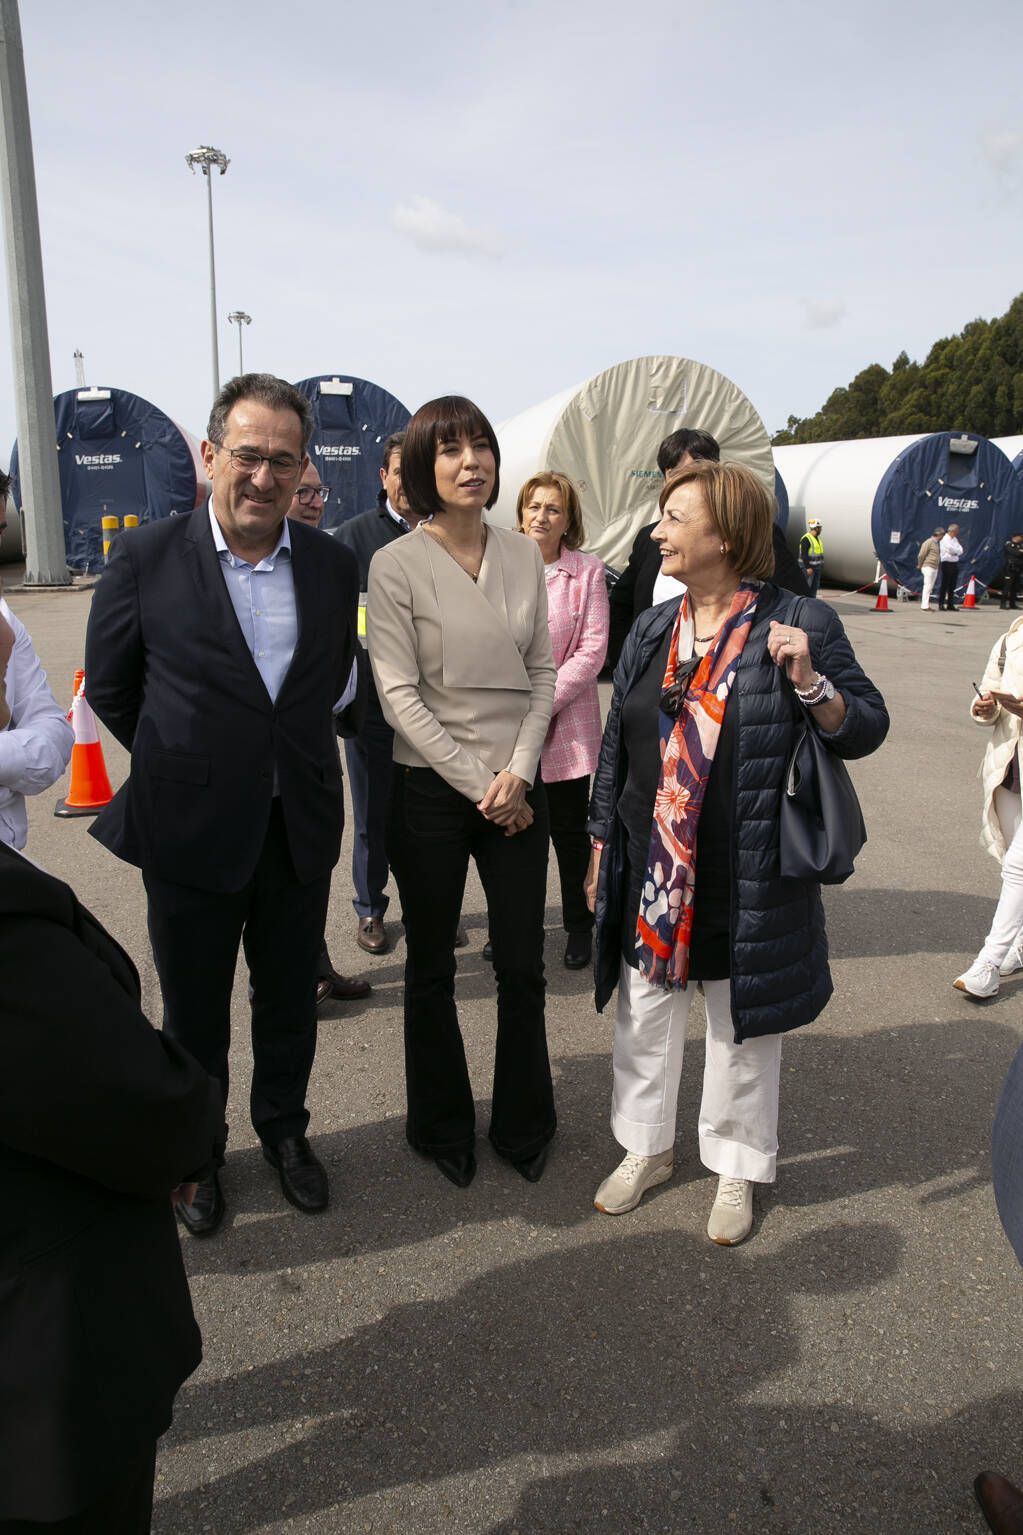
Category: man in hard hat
<point>811,555</point>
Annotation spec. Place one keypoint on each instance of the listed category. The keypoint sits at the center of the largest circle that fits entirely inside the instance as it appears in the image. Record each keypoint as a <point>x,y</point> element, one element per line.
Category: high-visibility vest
<point>816,554</point>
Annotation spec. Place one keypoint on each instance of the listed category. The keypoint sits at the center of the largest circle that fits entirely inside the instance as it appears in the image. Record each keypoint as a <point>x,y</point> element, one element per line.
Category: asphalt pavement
<point>503,1358</point>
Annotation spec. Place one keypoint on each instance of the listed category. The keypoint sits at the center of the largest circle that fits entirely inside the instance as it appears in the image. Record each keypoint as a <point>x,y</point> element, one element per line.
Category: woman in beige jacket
<point>1000,704</point>
<point>457,625</point>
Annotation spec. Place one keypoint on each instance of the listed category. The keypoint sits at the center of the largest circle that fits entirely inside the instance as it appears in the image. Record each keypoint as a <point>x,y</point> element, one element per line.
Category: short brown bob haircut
<point>438,421</point>
<point>550,479</point>
<point>741,510</point>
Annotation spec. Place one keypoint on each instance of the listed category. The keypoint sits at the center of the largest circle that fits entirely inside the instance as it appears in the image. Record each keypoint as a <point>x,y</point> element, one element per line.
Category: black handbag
<point>821,830</point>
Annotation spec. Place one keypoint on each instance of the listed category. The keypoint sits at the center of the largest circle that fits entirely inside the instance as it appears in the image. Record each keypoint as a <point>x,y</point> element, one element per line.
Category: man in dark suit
<point>220,648</point>
<point>101,1119</point>
<point>633,592</point>
<point>369,753</point>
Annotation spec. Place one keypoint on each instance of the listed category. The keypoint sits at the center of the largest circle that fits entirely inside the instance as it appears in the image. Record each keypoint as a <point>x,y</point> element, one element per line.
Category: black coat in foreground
<point>100,1117</point>
<point>779,949</point>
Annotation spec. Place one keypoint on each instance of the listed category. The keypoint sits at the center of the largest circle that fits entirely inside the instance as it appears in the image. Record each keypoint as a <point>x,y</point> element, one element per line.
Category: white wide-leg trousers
<point>1008,917</point>
<point>930,575</point>
<point>739,1112</point>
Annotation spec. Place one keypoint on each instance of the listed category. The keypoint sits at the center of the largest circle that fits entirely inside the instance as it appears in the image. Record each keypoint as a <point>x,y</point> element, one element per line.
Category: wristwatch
<point>820,691</point>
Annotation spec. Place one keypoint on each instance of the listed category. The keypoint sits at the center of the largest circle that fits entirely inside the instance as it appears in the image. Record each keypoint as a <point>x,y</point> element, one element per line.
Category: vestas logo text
<point>958,503</point>
<point>337,452</point>
<point>96,460</point>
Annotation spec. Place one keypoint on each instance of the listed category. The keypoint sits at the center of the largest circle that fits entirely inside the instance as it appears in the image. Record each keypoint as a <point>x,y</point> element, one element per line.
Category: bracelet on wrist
<point>822,690</point>
<point>596,844</point>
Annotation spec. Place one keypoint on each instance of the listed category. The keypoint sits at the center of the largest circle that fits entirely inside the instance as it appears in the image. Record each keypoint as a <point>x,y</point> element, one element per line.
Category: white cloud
<point>1001,148</point>
<point>822,313</point>
<point>433,228</point>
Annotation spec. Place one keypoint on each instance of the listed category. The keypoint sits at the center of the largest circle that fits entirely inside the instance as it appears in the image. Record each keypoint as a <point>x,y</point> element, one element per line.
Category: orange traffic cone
<point>970,600</point>
<point>90,786</point>
<point>881,605</point>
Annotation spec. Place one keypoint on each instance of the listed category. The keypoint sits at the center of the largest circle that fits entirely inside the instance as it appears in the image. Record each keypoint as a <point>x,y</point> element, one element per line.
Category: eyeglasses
<point>247,461</point>
<point>305,495</point>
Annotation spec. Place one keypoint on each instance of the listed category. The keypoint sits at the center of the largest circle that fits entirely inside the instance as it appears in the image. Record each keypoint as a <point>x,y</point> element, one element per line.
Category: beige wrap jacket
<point>464,670</point>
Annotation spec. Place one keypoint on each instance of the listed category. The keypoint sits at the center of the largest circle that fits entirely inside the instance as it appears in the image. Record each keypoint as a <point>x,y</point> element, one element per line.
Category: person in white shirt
<point>35,737</point>
<point>951,552</point>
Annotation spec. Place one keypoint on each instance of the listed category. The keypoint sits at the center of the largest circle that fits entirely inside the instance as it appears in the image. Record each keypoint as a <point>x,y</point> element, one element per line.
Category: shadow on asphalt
<point>578,1352</point>
<point>858,1112</point>
<point>623,1335</point>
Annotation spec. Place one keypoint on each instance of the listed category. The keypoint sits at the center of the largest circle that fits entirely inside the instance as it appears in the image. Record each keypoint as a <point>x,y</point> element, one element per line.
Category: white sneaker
<point>731,1216</point>
<point>981,980</point>
<point>625,1187</point>
<point>1013,961</point>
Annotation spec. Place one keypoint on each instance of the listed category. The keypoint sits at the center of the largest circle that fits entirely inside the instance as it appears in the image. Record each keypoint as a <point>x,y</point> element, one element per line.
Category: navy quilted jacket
<point>779,971</point>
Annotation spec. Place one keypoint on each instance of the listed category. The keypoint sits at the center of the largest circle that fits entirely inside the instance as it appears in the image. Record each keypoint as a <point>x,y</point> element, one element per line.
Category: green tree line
<point>972,382</point>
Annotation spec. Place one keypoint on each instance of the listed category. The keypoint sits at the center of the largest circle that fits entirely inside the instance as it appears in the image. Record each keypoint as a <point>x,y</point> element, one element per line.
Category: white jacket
<point>35,748</point>
<point>1005,729</point>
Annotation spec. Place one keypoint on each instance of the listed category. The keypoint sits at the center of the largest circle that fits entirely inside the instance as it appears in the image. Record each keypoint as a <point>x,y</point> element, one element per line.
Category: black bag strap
<point>800,711</point>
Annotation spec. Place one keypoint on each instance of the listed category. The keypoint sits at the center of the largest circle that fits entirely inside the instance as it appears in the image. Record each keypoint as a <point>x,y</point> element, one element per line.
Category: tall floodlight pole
<point>239,317</point>
<point>207,158</point>
<point>45,556</point>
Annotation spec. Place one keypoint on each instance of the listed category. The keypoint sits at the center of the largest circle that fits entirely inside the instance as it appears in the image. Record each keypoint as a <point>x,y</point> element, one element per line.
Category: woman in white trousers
<point>1000,705</point>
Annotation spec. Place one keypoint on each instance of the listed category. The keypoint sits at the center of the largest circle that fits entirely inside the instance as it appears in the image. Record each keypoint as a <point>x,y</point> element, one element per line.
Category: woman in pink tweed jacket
<point>578,615</point>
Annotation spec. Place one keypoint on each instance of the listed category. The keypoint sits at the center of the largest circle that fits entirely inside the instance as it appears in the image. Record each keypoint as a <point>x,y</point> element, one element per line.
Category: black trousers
<point>195,936</point>
<point>124,1508</point>
<point>949,577</point>
<point>369,757</point>
<point>433,832</point>
<point>1010,588</point>
<point>568,804</point>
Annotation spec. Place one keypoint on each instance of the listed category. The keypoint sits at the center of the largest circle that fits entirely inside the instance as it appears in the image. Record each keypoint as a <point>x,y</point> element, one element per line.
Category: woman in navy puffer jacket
<point>684,819</point>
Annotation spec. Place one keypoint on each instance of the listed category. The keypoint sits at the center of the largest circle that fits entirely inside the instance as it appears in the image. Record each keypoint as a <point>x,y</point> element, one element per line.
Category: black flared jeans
<point>433,832</point>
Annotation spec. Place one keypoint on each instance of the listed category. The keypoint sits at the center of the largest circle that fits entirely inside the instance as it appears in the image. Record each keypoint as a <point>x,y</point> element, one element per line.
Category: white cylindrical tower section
<point>1012,447</point>
<point>837,482</point>
<point>604,434</point>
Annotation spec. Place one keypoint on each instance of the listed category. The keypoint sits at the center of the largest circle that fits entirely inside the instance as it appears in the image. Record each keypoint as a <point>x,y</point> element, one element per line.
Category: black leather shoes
<point>349,988</point>
<point>341,988</point>
<point>460,1168</point>
<point>578,950</point>
<point>532,1168</point>
<point>204,1215</point>
<point>1000,1502</point>
<point>303,1176</point>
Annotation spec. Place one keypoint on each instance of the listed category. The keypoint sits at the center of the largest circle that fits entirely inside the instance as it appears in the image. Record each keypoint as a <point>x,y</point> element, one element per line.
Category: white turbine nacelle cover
<point>604,435</point>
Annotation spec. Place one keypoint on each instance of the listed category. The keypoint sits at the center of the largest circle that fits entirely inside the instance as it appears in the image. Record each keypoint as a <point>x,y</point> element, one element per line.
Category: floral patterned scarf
<point>688,743</point>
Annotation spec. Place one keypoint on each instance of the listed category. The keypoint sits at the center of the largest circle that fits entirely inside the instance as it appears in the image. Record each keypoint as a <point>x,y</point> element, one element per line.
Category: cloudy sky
<point>503,199</point>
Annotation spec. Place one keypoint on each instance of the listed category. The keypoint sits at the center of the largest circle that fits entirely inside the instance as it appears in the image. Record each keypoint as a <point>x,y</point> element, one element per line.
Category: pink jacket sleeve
<point>582,666</point>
